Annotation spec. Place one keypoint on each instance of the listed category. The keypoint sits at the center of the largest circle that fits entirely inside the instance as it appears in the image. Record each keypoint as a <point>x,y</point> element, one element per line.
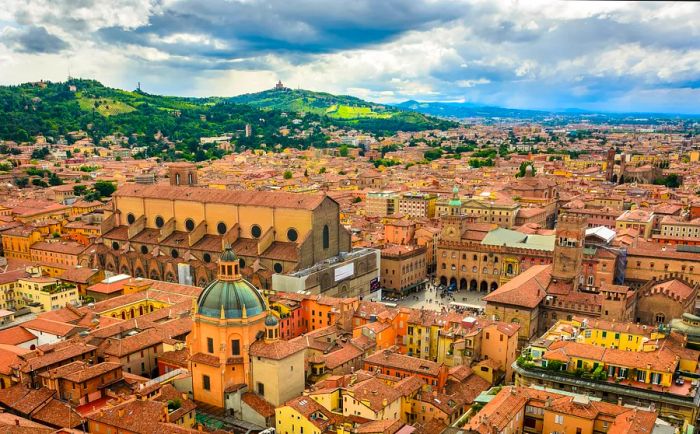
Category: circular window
<point>160,222</point>
<point>130,218</point>
<point>206,257</point>
<point>255,231</point>
<point>144,250</point>
<point>221,228</point>
<point>277,267</point>
<point>174,253</point>
<point>292,234</point>
<point>115,245</point>
<point>241,261</point>
<point>189,225</point>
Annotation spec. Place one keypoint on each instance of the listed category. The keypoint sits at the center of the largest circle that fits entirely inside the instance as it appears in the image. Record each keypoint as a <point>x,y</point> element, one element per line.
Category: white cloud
<point>524,53</point>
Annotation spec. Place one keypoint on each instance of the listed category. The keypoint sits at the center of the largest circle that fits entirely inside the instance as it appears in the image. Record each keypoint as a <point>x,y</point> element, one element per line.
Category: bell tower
<point>182,174</point>
<point>568,248</point>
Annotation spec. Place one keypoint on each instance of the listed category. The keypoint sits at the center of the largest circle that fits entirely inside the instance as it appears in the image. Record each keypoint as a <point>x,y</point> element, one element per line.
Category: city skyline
<point>597,56</point>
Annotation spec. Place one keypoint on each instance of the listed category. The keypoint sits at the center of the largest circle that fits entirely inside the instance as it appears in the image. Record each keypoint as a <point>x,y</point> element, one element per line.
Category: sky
<point>607,56</point>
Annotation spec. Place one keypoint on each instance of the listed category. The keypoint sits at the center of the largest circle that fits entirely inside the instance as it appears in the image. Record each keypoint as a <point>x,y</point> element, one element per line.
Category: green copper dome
<point>232,295</point>
<point>229,255</point>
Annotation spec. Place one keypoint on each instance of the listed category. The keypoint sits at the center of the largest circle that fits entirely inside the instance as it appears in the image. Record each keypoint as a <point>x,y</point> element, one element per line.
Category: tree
<point>287,174</point>
<point>523,167</point>
<point>21,182</point>
<point>79,189</point>
<point>39,183</point>
<point>432,154</point>
<point>322,170</point>
<point>40,154</point>
<point>306,173</point>
<point>54,179</point>
<point>104,188</point>
<point>343,151</point>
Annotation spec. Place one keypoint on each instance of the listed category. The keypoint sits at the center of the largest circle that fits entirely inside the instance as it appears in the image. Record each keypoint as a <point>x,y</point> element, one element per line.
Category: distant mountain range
<point>465,110</point>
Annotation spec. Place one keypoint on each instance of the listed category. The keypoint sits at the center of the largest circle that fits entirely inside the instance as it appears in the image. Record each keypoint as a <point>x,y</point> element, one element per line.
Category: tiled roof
<point>393,360</point>
<point>276,350</point>
<point>234,197</point>
<point>259,404</point>
<point>527,289</point>
<point>58,414</point>
<point>15,336</point>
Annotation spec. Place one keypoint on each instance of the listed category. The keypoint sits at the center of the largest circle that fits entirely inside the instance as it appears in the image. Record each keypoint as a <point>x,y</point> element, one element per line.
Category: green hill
<point>342,110</point>
<point>55,109</point>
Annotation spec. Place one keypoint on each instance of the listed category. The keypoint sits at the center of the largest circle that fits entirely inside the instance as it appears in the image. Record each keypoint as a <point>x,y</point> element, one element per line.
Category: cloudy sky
<point>607,56</point>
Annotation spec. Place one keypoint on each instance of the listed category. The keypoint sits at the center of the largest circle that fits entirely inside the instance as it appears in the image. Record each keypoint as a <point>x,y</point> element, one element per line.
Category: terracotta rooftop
<point>232,197</point>
<point>526,289</point>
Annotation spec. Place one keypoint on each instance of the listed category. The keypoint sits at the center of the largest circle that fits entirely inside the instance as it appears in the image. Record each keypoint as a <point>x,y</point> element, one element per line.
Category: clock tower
<point>454,222</point>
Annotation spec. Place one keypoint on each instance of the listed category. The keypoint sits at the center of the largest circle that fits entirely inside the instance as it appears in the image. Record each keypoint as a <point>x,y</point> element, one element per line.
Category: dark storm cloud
<point>35,39</point>
<point>289,28</point>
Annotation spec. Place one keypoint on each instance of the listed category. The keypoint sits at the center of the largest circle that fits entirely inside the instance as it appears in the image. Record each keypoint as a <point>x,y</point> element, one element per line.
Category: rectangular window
<point>261,389</point>
<point>236,347</point>
<point>206,382</point>
<point>558,419</point>
<point>210,345</point>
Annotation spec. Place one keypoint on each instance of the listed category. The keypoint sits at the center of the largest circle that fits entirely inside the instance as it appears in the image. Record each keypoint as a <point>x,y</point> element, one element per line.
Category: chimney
<point>16,422</point>
<point>548,402</point>
<point>385,402</point>
<point>120,412</point>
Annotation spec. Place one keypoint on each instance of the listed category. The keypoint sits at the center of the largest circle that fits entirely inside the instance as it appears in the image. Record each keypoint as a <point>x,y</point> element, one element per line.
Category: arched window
<point>159,222</point>
<point>189,225</point>
<point>177,179</point>
<point>206,257</point>
<point>509,269</point>
<point>130,218</point>
<point>660,318</point>
<point>190,179</point>
<point>326,237</point>
<point>144,250</point>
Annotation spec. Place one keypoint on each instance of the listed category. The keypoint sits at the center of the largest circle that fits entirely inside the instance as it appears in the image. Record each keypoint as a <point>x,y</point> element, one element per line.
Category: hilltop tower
<point>568,248</point>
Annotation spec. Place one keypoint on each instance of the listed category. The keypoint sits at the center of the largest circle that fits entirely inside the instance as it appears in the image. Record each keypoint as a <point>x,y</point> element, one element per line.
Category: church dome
<point>271,320</point>
<point>233,296</point>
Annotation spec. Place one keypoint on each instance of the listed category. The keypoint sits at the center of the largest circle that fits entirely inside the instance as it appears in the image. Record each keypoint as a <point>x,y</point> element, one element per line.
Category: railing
<point>165,377</point>
<point>605,386</point>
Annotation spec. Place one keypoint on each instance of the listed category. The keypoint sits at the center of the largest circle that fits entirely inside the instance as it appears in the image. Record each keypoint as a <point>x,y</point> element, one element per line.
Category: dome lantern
<point>230,296</point>
<point>229,265</point>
